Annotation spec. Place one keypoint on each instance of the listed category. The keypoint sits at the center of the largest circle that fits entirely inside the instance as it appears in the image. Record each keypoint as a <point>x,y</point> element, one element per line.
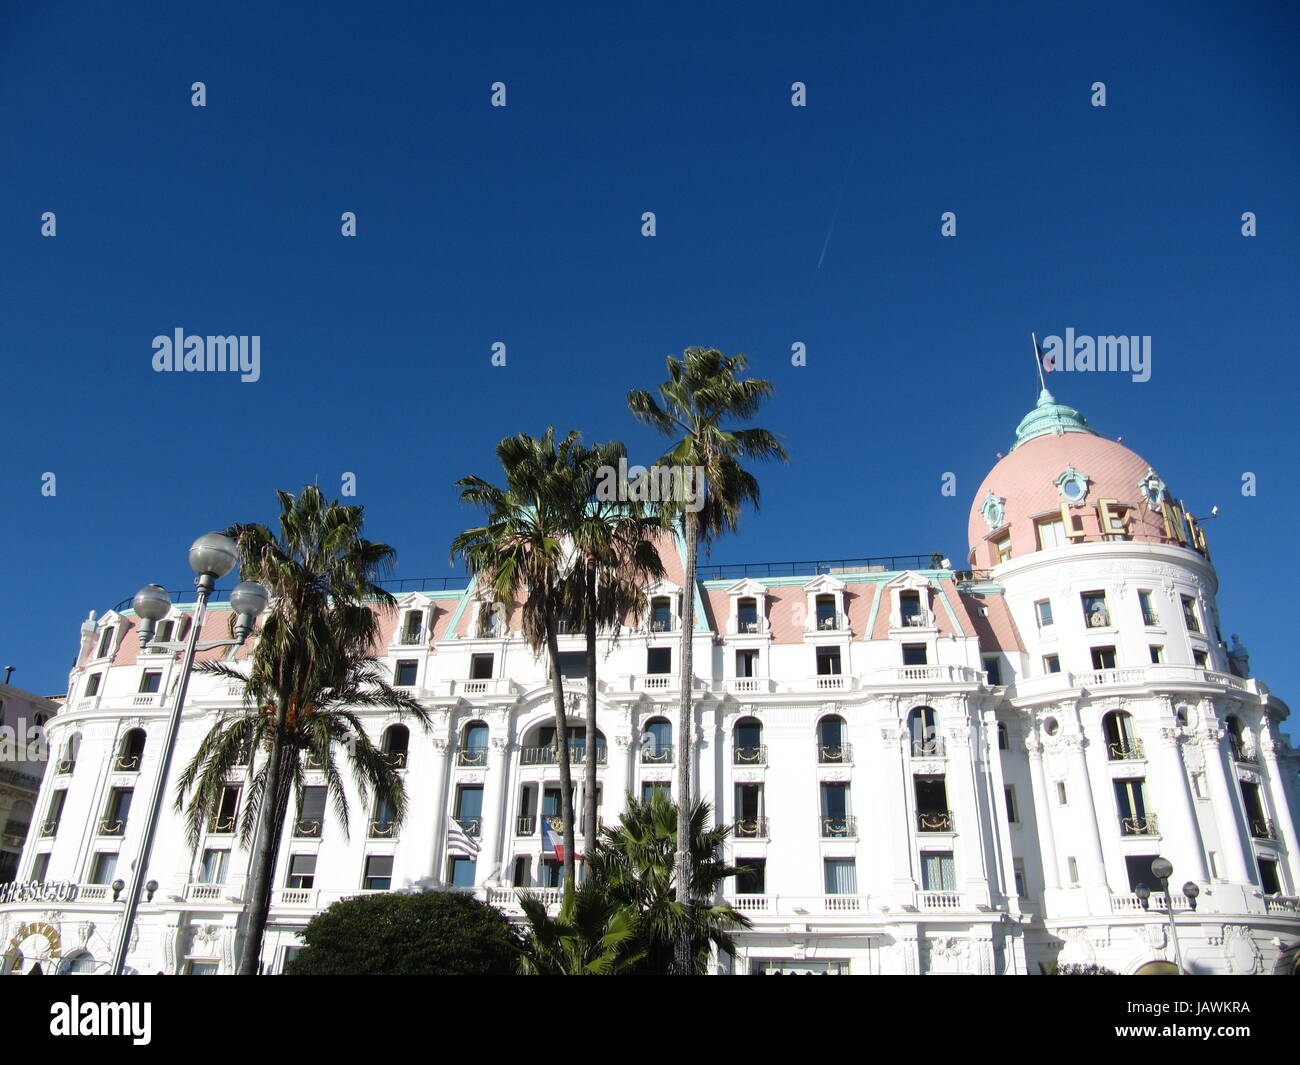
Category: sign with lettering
<point>36,891</point>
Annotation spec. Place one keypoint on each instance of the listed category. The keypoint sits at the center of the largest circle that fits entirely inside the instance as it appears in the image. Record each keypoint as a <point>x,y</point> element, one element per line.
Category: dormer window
<point>663,607</point>
<point>748,611</point>
<point>827,616</point>
<point>909,609</point>
<point>747,614</point>
<point>413,627</point>
<point>661,614</point>
<point>1001,548</point>
<point>825,605</point>
<point>1051,533</point>
<point>105,643</point>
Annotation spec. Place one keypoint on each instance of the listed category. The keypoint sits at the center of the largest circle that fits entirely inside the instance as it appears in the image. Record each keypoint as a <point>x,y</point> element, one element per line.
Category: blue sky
<point>523,225</point>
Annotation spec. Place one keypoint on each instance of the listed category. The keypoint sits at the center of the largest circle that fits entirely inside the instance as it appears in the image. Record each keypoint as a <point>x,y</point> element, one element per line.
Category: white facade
<point>949,823</point>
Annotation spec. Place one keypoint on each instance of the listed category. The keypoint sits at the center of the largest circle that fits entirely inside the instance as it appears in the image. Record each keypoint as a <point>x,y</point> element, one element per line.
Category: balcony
<point>203,892</point>
<point>307,828</point>
<point>295,898</point>
<point>663,624</point>
<point>49,827</point>
<point>109,826</point>
<point>934,821</point>
<point>834,753</point>
<point>221,826</point>
<point>889,676</point>
<point>411,638</point>
<point>831,682</point>
<point>472,756</point>
<point>1244,753</point>
<point>1147,825</point>
<point>383,828</point>
<point>1288,904</point>
<point>471,826</point>
<point>1262,828</point>
<point>799,905</point>
<point>126,763</point>
<point>829,623</point>
<point>655,682</point>
<point>1131,903</point>
<point>939,900</point>
<point>65,765</point>
<point>750,828</point>
<point>657,754</point>
<point>928,747</point>
<point>525,825</point>
<point>916,619</point>
<point>1125,750</point>
<point>841,826</point>
<point>747,685</point>
<point>749,755</point>
<point>549,755</point>
<point>394,759</point>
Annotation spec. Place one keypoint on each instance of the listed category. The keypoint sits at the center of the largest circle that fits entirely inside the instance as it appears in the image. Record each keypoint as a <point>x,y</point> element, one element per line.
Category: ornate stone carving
<point>1240,950</point>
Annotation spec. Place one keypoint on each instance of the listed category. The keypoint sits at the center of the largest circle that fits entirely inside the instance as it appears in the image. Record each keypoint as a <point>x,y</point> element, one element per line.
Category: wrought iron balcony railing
<point>471,826</point>
<point>833,753</point>
<point>1243,752</point>
<point>412,638</point>
<point>382,828</point>
<point>1146,825</point>
<point>307,828</point>
<point>49,826</point>
<point>1262,828</point>
<point>472,756</point>
<point>750,828</point>
<point>222,826</point>
<point>127,763</point>
<point>65,765</point>
<point>657,754</point>
<point>928,747</point>
<point>934,821</point>
<point>549,754</point>
<point>750,755</point>
<point>111,826</point>
<point>837,827</point>
<point>1126,750</point>
<point>395,759</point>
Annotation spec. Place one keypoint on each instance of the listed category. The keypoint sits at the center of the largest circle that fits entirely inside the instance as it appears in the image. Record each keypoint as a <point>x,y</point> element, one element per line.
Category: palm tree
<point>311,668</point>
<point>617,559</point>
<point>635,865</point>
<point>703,390</point>
<point>520,554</point>
<point>590,936</point>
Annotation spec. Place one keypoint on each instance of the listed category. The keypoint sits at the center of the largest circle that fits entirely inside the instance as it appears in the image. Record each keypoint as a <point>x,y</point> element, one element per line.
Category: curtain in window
<point>938,872</point>
<point>841,876</point>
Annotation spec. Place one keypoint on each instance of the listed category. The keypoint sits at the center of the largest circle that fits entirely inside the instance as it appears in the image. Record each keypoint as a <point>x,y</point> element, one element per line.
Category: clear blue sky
<point>522,225</point>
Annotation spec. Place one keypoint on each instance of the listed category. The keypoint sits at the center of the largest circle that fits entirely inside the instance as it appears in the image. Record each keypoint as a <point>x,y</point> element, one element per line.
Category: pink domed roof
<point>1055,446</point>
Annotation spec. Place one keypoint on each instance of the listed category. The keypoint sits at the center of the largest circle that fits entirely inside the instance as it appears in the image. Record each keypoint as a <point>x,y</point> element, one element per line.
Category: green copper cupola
<point>1048,416</point>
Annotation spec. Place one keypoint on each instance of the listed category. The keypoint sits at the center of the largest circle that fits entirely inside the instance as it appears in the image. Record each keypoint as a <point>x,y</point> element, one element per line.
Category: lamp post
<point>1162,869</point>
<point>212,556</point>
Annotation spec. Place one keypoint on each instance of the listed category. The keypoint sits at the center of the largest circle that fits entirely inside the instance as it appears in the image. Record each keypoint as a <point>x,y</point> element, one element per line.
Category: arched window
<point>131,753</point>
<point>397,739</point>
<point>474,745</point>
<point>831,745</point>
<point>747,742</point>
<point>1242,748</point>
<point>80,964</point>
<point>657,741</point>
<point>923,724</point>
<point>1122,743</point>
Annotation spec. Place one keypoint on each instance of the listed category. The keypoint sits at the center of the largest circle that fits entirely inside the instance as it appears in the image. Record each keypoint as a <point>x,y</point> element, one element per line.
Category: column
<point>1284,823</point>
<point>434,872</point>
<point>1179,789</point>
<point>999,828</point>
<point>969,824</point>
<point>1226,813</point>
<point>618,775</point>
<point>1094,864</point>
<point>897,783</point>
<point>1043,814</point>
<point>488,867</point>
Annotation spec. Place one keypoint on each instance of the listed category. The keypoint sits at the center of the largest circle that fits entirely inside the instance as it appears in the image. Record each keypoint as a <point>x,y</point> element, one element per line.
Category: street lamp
<point>1162,869</point>
<point>212,556</point>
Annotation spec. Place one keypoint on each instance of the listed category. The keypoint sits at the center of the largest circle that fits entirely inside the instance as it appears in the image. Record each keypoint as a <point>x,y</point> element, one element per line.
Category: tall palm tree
<point>704,389</point>
<point>311,668</point>
<point>635,864</point>
<point>617,558</point>
<point>591,935</point>
<point>521,555</point>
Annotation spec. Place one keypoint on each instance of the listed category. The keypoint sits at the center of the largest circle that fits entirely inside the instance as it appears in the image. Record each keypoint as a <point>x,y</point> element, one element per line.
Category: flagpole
<point>1038,360</point>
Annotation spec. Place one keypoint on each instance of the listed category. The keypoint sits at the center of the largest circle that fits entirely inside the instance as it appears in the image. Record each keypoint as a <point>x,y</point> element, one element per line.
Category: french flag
<point>552,842</point>
<point>1044,360</point>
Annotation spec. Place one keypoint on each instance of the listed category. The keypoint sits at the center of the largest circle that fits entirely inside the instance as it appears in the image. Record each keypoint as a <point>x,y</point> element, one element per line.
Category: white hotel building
<point>928,771</point>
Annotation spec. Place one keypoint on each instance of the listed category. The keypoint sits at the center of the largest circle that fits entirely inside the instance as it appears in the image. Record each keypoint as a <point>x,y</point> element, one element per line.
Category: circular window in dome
<point>1051,726</point>
<point>1073,486</point>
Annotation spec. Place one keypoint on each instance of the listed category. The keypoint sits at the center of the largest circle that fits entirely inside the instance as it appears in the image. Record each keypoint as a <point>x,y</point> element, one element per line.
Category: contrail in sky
<point>839,200</point>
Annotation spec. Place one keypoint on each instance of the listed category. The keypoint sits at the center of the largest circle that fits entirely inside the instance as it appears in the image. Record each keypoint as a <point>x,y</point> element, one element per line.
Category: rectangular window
<point>938,873</point>
<point>841,876</point>
<point>932,812</point>
<point>150,681</point>
<point>1103,658</point>
<point>1157,654</point>
<point>40,866</point>
<point>92,683</point>
<point>651,788</point>
<point>223,821</point>
<point>828,661</point>
<point>302,871</point>
<point>379,872</point>
<point>914,654</point>
<point>1200,658</point>
<point>215,863</point>
<point>1095,613</point>
<point>659,660</point>
<point>523,875</point>
<point>1150,616</point>
<point>1073,865</point>
<point>552,873</point>
<point>747,663</point>
<point>105,644</point>
<point>1010,792</point>
<point>1043,608</point>
<point>469,808</point>
<point>1130,800</point>
<point>1199,787</point>
<point>102,868</point>
<point>1018,866</point>
<point>1002,549</point>
<point>55,814</point>
<point>1139,871</point>
<point>460,873</point>
<point>1060,793</point>
<point>1189,614</point>
<point>1269,882</point>
<point>1051,663</point>
<point>404,674</point>
<point>1051,533</point>
<point>573,665</point>
<point>116,812</point>
<point>752,878</point>
<point>993,667</point>
<point>311,813</point>
<point>480,667</point>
